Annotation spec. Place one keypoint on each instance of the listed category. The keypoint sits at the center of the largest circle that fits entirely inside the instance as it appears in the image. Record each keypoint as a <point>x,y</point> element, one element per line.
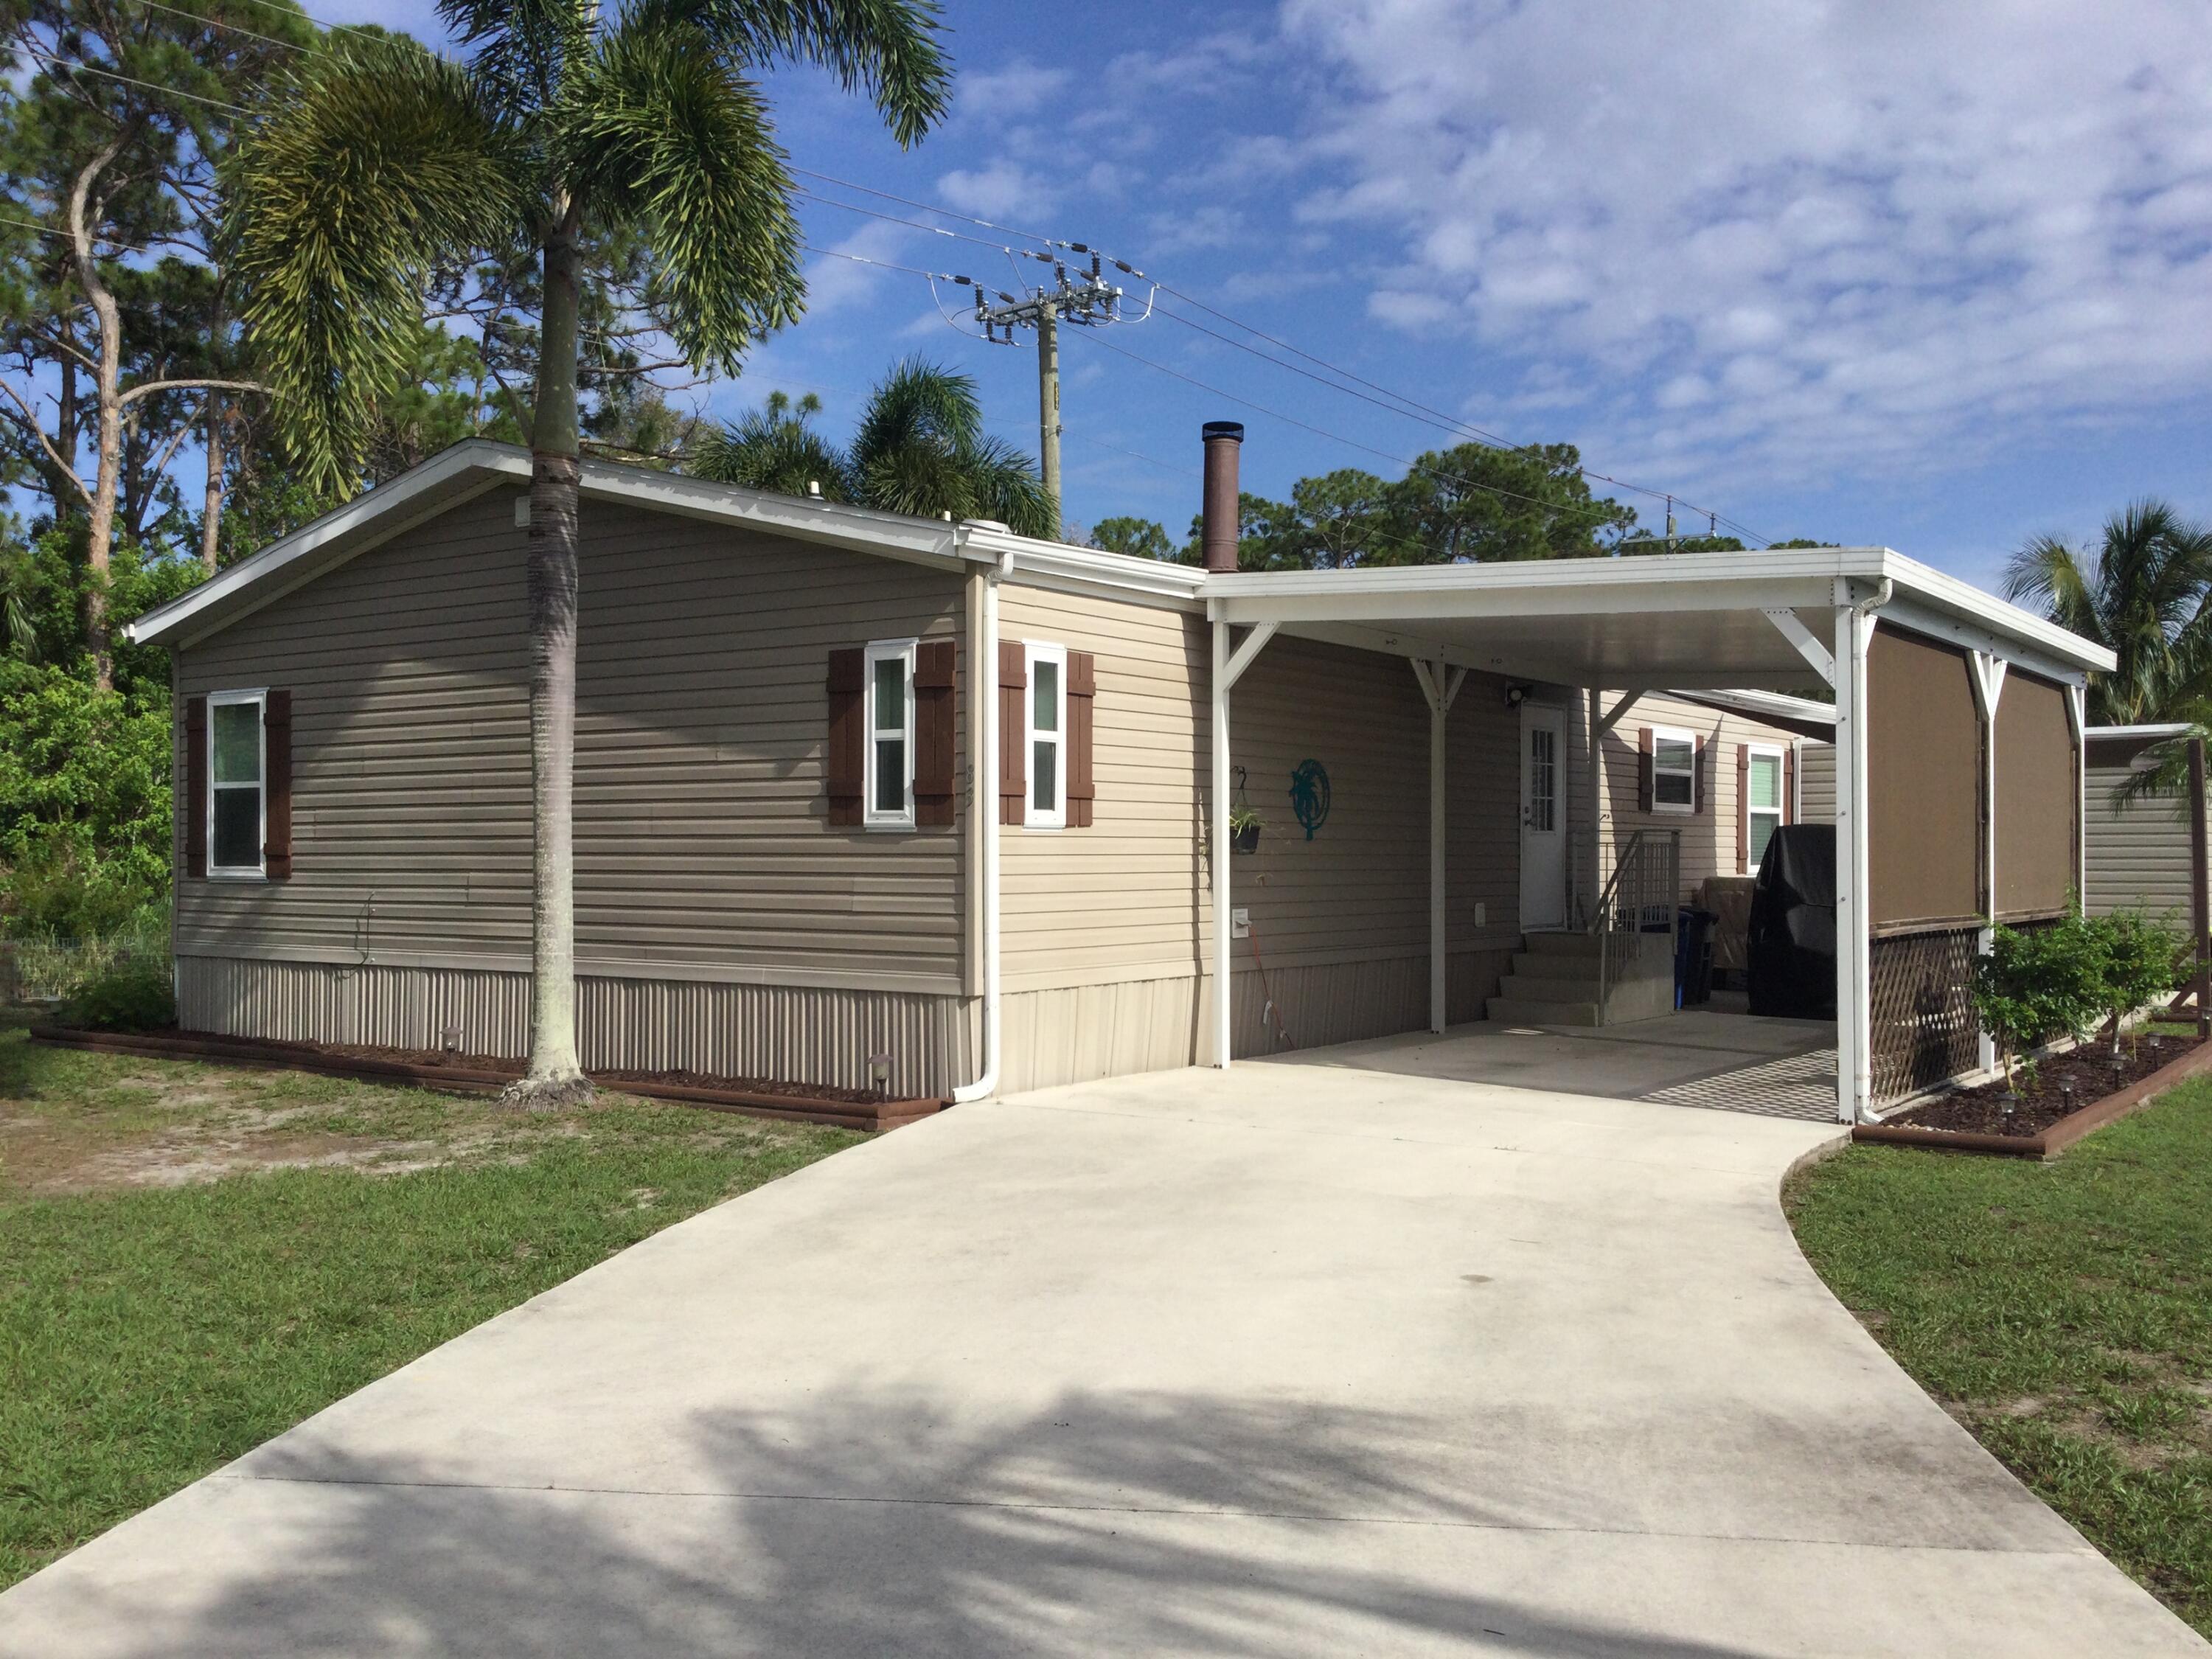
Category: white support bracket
<point>1440,685</point>
<point>1989,682</point>
<point>1242,658</point>
<point>1823,660</point>
<point>1606,723</point>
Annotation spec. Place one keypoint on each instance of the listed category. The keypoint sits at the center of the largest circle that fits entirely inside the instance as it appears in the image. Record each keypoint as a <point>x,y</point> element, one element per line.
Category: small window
<point>1047,730</point>
<point>891,735</point>
<point>237,763</point>
<point>1674,771</point>
<point>1762,807</point>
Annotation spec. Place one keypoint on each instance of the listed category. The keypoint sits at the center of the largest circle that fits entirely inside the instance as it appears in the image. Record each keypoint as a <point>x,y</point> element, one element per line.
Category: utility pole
<point>1085,300</point>
<point>1047,328</point>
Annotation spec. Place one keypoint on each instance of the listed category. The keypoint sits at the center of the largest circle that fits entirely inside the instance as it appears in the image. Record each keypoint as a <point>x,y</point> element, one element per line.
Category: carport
<point>1958,723</point>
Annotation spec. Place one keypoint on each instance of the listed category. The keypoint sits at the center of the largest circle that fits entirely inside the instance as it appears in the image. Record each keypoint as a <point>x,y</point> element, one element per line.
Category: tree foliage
<point>918,448</point>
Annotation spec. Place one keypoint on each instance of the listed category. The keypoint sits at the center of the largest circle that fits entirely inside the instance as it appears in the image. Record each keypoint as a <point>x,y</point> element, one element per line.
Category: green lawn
<point>192,1259</point>
<point>2063,1312</point>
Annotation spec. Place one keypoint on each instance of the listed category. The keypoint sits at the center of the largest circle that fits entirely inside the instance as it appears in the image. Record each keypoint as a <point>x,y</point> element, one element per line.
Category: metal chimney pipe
<point>1218,538</point>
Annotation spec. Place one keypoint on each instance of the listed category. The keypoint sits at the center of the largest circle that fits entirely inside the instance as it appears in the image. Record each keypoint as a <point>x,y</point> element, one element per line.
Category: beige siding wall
<point>1816,762</point>
<point>1709,837</point>
<point>701,843</point>
<point>1108,935</point>
<point>2138,854</point>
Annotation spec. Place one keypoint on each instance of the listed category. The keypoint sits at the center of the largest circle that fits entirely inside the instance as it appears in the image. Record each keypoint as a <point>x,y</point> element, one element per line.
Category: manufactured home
<point>868,798</point>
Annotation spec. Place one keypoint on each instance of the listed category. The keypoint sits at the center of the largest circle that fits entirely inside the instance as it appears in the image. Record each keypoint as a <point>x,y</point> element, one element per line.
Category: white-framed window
<point>1045,730</point>
<point>1762,803</point>
<point>889,696</point>
<point>1673,770</point>
<point>237,771</point>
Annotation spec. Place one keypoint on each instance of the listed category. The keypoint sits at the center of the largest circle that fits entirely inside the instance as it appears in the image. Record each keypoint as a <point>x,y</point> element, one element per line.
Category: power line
<point>235,28</point>
<point>129,80</point>
<point>926,207</point>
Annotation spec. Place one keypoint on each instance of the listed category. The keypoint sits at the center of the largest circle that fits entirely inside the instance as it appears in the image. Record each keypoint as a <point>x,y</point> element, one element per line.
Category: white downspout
<point>984,811</point>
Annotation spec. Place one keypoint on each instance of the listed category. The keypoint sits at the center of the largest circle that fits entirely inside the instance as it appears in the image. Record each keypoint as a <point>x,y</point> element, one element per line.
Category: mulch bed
<point>2040,1125</point>
<point>769,1097</point>
<point>2059,1086</point>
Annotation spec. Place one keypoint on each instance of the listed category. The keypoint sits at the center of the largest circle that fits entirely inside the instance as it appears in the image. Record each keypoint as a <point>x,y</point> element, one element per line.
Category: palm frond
<point>889,48</point>
<point>766,450</point>
<point>918,400</point>
<point>1006,488</point>
<point>659,133</point>
<point>922,476</point>
<point>2045,571</point>
<point>376,163</point>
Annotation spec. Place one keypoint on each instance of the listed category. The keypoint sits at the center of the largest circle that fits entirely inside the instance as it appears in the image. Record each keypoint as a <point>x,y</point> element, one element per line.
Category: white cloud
<point>1813,236</point>
<point>1001,190</point>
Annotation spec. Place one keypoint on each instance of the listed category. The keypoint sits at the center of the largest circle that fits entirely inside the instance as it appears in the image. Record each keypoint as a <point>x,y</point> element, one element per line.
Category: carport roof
<point>1686,621</point>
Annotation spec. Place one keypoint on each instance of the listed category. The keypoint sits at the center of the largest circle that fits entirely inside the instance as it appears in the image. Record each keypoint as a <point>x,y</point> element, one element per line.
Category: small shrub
<point>2138,957</point>
<point>2039,984</point>
<point>133,996</point>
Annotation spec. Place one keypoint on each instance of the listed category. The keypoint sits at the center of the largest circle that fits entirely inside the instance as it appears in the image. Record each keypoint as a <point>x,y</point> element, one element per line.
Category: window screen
<point>1674,771</point>
<point>234,784</point>
<point>1762,805</point>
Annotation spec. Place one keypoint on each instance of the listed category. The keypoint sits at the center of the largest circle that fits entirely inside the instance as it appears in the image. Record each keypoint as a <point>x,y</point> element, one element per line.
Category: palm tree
<point>565,133</point>
<point>2146,594</point>
<point>920,448</point>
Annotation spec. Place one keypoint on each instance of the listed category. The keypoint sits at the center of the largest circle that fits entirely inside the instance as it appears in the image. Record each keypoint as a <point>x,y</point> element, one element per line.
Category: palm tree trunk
<point>555,1077</point>
<point>211,502</point>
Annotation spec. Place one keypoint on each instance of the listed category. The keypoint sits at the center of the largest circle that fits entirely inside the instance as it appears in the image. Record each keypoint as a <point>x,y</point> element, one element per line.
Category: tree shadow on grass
<point>874,1523</point>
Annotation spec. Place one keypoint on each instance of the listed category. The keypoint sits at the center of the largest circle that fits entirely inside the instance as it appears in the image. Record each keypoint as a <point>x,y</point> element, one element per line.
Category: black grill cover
<point>1791,963</point>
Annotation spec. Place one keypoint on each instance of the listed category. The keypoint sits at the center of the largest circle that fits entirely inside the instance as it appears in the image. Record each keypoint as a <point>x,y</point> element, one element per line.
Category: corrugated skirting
<point>794,1034</point>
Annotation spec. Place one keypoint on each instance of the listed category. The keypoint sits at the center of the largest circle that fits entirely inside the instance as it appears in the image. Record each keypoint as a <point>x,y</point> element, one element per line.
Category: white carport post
<point>1854,986</point>
<point>1227,668</point>
<point>1439,686</point>
<point>1989,677</point>
<point>1600,727</point>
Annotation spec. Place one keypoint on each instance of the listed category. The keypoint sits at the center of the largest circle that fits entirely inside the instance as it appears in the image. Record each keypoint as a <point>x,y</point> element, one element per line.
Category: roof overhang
<point>1689,622</point>
<point>1802,715</point>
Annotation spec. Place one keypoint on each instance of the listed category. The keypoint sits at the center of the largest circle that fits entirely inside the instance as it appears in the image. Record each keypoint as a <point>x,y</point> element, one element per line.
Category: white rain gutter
<point>983,814</point>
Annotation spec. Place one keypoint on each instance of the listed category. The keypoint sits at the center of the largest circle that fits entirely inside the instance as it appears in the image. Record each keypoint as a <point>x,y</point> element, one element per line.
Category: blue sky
<point>1935,277</point>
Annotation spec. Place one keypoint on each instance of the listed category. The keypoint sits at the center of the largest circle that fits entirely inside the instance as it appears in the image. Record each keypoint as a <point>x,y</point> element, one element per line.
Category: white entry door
<point>1543,817</point>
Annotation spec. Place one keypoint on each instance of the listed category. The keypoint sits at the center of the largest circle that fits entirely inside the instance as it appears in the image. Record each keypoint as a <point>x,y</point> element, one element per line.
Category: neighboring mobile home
<point>857,791</point>
<point>2139,847</point>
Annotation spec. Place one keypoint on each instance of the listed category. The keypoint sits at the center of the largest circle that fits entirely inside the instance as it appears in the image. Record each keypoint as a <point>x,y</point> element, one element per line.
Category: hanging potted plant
<point>1243,829</point>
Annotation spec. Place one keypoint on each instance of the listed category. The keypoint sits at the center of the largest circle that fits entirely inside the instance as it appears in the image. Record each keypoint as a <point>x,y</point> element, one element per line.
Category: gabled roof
<point>1658,621</point>
<point>474,467</point>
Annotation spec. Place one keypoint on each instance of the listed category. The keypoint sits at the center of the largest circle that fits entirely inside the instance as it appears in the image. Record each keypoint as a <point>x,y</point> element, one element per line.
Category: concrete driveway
<point>1311,1358</point>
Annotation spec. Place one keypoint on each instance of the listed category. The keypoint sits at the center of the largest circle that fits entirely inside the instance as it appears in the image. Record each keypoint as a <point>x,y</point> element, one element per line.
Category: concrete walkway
<point>1310,1358</point>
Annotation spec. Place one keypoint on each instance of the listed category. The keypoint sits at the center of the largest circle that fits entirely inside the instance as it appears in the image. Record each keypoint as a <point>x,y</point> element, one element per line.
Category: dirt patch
<point>2059,1086</point>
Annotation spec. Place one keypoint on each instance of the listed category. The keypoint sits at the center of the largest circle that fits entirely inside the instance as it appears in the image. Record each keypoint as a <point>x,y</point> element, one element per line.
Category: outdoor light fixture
<point>1516,695</point>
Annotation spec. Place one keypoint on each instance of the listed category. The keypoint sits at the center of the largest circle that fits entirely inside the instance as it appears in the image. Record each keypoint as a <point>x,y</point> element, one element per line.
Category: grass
<point>2061,1311</point>
<point>193,1258</point>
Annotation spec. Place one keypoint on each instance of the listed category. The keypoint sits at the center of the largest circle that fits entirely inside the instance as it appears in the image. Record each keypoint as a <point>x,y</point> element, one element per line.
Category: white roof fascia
<point>1747,699</point>
<point>2153,732</point>
<point>1087,570</point>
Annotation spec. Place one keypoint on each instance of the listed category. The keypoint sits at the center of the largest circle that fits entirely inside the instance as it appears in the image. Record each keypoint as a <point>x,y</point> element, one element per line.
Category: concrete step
<point>1516,1011</point>
<point>1561,945</point>
<point>1576,971</point>
<point>1540,987</point>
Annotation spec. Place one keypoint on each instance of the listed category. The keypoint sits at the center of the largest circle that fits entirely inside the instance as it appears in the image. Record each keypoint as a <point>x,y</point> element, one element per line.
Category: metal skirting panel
<point>317,1002</point>
<point>1078,1033</point>
<point>799,1033</point>
<point>1924,1031</point>
<point>791,1034</point>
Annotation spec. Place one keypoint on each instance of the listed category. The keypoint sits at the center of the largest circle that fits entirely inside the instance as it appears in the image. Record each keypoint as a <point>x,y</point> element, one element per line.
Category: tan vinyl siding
<point>2138,854</point>
<point>701,725</point>
<point>1121,900</point>
<point>1708,837</point>
<point>1816,764</point>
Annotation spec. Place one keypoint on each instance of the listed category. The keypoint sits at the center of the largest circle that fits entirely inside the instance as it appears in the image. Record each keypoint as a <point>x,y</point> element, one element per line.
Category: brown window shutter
<point>277,800</point>
<point>1743,809</point>
<point>1646,741</point>
<point>194,803</point>
<point>1790,784</point>
<point>1013,731</point>
<point>935,730</point>
<point>846,761</point>
<point>1082,698</point>
<point>1697,777</point>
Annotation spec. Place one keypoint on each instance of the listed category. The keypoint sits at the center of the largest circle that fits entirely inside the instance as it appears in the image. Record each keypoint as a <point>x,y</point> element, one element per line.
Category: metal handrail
<point>1646,879</point>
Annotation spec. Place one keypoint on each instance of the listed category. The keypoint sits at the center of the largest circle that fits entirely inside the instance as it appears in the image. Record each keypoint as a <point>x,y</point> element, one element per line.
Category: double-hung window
<point>1047,737</point>
<point>1762,804</point>
<point>1673,770</point>
<point>890,782</point>
<point>237,804</point>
